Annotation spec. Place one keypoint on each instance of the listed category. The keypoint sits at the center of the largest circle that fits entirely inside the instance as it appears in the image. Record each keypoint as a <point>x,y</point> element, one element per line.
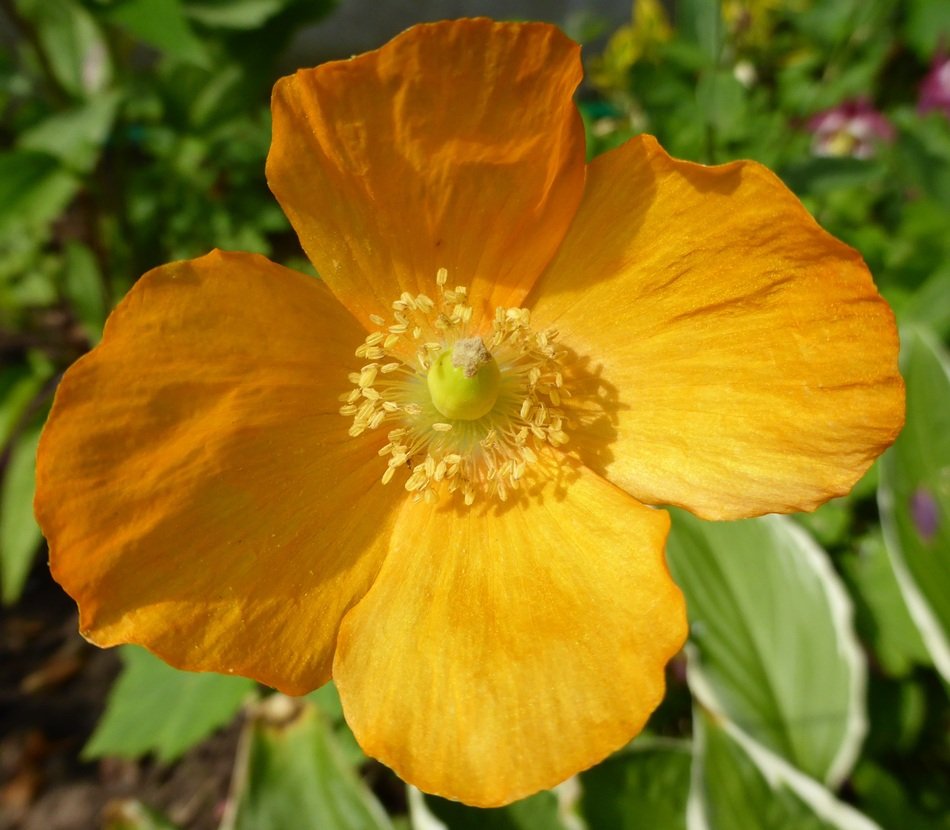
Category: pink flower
<point>935,88</point>
<point>853,128</point>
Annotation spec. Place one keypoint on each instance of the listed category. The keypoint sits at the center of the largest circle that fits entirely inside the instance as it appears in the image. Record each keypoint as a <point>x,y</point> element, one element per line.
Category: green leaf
<point>19,534</point>
<point>886,800</point>
<point>34,188</point>
<point>922,149</point>
<point>83,288</point>
<point>291,774</point>
<point>644,786</point>
<point>914,494</point>
<point>927,25</point>
<point>75,136</point>
<point>162,24</point>
<point>930,304</point>
<point>737,784</point>
<point>73,44</point>
<point>883,620</point>
<point>234,14</point>
<point>699,22</point>
<point>537,811</point>
<point>818,176</point>
<point>721,100</point>
<point>19,386</point>
<point>328,702</point>
<point>772,625</point>
<point>155,708</point>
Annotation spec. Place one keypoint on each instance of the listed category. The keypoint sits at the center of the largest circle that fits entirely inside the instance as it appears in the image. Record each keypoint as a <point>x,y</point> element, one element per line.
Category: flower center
<point>464,380</point>
<point>463,411</point>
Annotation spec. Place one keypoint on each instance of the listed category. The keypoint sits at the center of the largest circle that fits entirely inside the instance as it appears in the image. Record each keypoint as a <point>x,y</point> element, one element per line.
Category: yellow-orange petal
<point>740,359</point>
<point>196,482</point>
<point>502,649</point>
<point>455,145</point>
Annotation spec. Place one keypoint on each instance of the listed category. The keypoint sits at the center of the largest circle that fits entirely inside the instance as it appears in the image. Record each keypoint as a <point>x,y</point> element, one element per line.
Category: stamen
<point>485,450</point>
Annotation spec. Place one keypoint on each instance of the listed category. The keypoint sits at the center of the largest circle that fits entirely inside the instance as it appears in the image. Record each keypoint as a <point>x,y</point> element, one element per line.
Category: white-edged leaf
<point>914,495</point>
<point>737,783</point>
<point>772,625</point>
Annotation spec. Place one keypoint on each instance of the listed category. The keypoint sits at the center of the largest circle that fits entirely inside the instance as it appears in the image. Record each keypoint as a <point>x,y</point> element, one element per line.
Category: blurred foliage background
<point>813,693</point>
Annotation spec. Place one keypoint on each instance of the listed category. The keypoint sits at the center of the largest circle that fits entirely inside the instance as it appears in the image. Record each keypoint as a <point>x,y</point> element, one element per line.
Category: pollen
<point>466,405</point>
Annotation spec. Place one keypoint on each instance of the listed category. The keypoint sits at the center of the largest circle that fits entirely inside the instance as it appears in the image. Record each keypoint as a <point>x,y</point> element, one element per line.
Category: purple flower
<point>926,513</point>
<point>935,88</point>
<point>853,128</point>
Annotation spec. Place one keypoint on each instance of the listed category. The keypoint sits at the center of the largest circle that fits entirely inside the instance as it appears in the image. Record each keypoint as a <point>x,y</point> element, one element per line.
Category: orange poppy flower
<point>465,549</point>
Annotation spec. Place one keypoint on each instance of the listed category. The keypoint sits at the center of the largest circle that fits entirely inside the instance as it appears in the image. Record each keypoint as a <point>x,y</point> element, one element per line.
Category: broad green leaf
<point>34,188</point>
<point>234,14</point>
<point>72,42</point>
<point>773,628</point>
<point>929,306</point>
<point>536,811</point>
<point>883,620</point>
<point>914,495</point>
<point>290,773</point>
<point>737,784</point>
<point>19,534</point>
<point>129,814</point>
<point>75,136</point>
<point>162,24</point>
<point>644,786</point>
<point>154,708</point>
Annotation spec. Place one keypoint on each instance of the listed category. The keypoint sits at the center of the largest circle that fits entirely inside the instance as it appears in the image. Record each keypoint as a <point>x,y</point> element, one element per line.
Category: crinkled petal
<point>504,648</point>
<point>456,146</point>
<point>195,479</point>
<point>736,359</point>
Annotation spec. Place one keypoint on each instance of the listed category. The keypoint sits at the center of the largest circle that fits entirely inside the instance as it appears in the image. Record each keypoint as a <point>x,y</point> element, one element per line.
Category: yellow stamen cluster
<point>488,454</point>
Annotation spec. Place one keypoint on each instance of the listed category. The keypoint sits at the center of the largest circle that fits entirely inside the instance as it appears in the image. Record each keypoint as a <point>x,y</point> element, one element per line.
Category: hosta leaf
<point>914,495</point>
<point>738,784</point>
<point>772,625</point>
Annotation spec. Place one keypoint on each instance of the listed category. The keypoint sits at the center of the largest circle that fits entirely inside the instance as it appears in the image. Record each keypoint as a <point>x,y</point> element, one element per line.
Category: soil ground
<point>53,688</point>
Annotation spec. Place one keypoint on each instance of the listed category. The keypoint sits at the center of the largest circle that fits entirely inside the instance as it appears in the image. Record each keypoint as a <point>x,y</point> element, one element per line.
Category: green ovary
<point>464,388</point>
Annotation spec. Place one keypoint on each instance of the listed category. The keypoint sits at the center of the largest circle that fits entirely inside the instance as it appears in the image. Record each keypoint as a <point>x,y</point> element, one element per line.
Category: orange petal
<point>456,145</point>
<point>506,647</point>
<point>737,359</point>
<point>196,482</point>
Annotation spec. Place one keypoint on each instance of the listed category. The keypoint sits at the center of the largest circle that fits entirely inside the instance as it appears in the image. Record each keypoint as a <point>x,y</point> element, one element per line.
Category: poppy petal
<point>196,482</point>
<point>737,359</point>
<point>503,648</point>
<point>455,145</point>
